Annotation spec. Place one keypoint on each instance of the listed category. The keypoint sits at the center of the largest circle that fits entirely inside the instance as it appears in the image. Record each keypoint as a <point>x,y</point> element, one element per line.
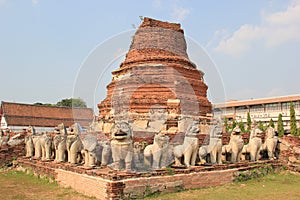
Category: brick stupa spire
<point>156,75</point>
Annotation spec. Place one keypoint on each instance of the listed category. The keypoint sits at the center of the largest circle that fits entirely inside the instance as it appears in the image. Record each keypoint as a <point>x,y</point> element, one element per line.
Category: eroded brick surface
<point>156,69</point>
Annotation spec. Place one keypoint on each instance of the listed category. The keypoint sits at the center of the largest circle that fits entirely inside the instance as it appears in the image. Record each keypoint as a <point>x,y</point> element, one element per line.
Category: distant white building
<point>260,109</point>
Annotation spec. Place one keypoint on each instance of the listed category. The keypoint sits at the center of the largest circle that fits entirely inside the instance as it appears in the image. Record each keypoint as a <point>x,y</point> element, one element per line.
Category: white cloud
<point>34,2</point>
<point>218,35</point>
<point>275,29</point>
<point>179,13</point>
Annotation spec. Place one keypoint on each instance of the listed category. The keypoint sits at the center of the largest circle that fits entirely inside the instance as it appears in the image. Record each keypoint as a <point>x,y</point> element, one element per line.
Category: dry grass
<point>275,186</point>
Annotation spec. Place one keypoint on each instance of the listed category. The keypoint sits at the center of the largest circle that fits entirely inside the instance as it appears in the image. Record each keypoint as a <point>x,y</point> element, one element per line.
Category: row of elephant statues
<point>236,150</point>
<point>66,146</point>
<point>120,152</point>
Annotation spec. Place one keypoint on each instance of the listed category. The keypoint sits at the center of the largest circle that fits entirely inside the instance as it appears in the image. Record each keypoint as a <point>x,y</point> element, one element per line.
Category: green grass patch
<point>19,185</point>
<point>283,185</point>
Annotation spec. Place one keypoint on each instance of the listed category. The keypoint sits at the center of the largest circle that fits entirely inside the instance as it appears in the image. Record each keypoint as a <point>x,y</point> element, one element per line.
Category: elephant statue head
<point>60,129</point>
<point>74,129</point>
<point>121,132</point>
<point>256,132</point>
<point>193,129</point>
<point>270,133</point>
<point>30,131</point>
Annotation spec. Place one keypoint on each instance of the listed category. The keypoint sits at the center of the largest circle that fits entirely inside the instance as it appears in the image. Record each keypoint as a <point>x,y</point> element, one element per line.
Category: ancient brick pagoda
<point>157,80</point>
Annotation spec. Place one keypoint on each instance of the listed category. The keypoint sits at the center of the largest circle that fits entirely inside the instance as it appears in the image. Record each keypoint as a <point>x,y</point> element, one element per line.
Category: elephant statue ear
<point>90,142</point>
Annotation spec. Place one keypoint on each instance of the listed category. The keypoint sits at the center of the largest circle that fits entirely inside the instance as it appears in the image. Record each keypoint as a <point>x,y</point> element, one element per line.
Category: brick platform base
<point>103,183</point>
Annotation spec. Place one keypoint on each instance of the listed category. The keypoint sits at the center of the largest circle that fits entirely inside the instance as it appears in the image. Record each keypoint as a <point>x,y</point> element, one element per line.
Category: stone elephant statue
<point>4,136</point>
<point>74,144</point>
<point>214,148</point>
<point>59,142</point>
<point>29,145</point>
<point>121,146</point>
<point>42,146</point>
<point>89,151</point>
<point>270,144</point>
<point>235,146</point>
<point>37,146</point>
<point>138,154</point>
<point>189,148</point>
<point>105,153</point>
<point>159,154</point>
<point>46,146</point>
<point>255,144</point>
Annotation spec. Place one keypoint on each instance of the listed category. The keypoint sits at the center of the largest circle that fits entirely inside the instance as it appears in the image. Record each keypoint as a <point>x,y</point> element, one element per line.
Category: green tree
<point>261,126</point>
<point>43,104</point>
<point>293,119</point>
<point>249,123</point>
<point>280,128</point>
<point>72,102</point>
<point>242,126</point>
<point>271,123</point>
<point>226,125</point>
<point>233,124</point>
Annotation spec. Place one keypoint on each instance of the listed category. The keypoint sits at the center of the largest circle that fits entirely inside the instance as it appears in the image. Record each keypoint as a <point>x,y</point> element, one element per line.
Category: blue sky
<point>45,45</point>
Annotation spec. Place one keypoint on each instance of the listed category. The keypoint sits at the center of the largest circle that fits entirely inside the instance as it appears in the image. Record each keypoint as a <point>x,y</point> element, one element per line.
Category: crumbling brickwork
<point>107,184</point>
<point>289,148</point>
<point>156,69</point>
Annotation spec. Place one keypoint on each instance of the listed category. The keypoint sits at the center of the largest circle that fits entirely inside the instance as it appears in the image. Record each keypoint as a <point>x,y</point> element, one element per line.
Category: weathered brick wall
<point>196,178</point>
<point>9,153</point>
<point>156,68</point>
<point>88,185</point>
<point>289,148</point>
<point>120,185</point>
<point>140,187</point>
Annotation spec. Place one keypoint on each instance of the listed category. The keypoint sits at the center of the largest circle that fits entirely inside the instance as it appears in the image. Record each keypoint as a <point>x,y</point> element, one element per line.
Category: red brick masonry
<point>156,69</point>
<point>107,184</point>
